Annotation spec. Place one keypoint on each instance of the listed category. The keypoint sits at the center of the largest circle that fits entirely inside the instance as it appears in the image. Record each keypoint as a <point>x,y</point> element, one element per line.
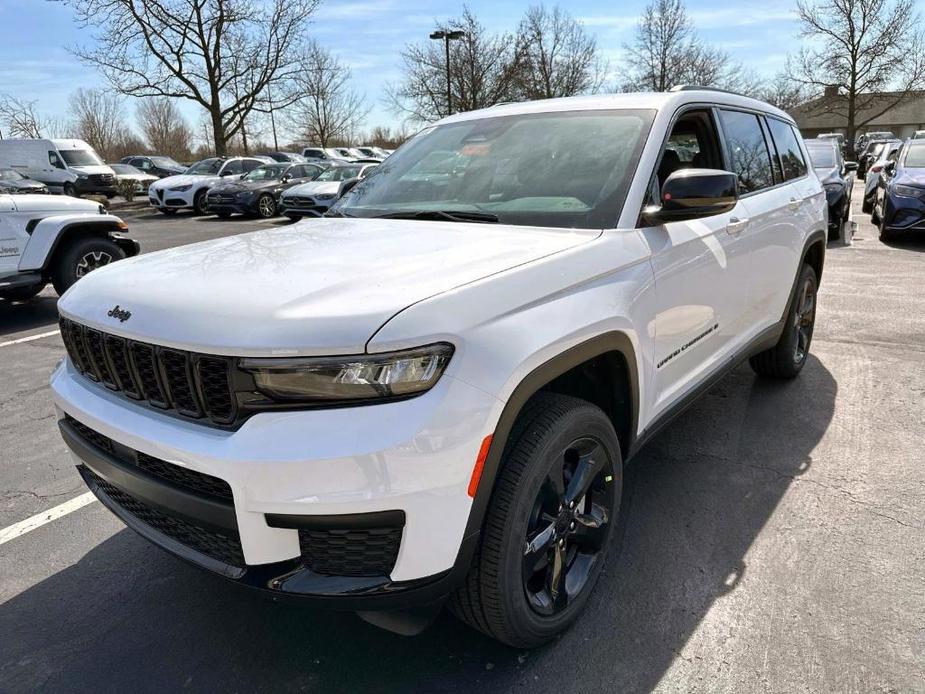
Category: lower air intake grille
<point>365,552</point>
<point>225,547</point>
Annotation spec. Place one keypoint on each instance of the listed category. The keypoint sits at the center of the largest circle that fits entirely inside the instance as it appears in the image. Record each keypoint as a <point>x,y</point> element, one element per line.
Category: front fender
<point>48,233</point>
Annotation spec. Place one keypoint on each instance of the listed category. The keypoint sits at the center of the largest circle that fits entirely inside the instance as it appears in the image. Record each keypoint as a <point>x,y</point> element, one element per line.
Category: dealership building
<point>826,114</point>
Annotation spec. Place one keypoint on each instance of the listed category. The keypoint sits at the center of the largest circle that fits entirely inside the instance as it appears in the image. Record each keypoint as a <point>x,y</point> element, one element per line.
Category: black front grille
<point>222,546</point>
<point>357,552</point>
<point>186,383</point>
<point>191,480</point>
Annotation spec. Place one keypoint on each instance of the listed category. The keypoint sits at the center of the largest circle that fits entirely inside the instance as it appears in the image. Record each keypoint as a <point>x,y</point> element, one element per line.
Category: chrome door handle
<point>794,204</point>
<point>736,225</point>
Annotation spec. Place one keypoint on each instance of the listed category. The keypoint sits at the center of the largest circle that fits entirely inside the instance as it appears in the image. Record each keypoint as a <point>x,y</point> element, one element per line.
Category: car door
<point>779,216</point>
<point>701,272</point>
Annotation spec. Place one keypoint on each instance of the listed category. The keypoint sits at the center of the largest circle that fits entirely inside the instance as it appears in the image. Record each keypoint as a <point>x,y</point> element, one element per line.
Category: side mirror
<point>693,194</point>
<point>851,166</point>
<point>346,187</point>
<point>286,178</point>
<point>889,168</point>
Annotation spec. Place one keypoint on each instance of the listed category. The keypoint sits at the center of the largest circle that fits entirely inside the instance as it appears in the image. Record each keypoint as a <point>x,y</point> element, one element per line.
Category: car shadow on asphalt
<point>40,312</point>
<point>130,617</point>
<point>907,242</point>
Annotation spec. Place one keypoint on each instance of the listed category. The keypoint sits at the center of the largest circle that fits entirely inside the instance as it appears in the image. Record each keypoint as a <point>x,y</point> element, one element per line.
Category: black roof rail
<point>698,88</point>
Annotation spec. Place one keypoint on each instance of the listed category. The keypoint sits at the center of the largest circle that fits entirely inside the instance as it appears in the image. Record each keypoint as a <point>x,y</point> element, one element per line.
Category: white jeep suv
<point>433,394</point>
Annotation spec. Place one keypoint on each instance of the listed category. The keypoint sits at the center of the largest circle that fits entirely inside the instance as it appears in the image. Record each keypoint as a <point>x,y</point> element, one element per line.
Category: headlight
<point>326,196</point>
<point>181,189</point>
<point>363,377</point>
<point>908,191</point>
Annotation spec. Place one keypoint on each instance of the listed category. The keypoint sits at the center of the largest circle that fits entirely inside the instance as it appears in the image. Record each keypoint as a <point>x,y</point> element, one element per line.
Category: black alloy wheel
<point>568,526</point>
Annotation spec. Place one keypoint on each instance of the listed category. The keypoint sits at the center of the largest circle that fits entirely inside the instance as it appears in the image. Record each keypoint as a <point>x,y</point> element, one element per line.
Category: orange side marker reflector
<point>479,466</point>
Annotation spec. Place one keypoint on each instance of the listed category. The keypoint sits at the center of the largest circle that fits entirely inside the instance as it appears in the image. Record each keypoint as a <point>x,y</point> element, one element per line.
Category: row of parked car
<point>262,186</point>
<point>72,167</point>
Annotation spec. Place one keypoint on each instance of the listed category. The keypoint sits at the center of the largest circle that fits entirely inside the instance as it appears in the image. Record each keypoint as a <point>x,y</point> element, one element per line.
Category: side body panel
<point>46,233</point>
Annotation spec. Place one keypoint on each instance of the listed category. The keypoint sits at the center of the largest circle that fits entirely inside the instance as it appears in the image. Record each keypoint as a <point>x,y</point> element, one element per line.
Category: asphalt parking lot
<point>774,539</point>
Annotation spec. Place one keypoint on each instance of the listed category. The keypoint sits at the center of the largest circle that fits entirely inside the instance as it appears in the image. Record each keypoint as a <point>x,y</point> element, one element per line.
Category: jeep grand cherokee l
<point>431,396</point>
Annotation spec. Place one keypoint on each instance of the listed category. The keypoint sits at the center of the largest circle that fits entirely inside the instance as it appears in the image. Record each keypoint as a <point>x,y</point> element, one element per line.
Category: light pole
<point>448,36</point>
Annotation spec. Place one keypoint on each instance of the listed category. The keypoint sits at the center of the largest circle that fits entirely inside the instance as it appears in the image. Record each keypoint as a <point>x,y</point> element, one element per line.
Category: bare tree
<point>164,128</point>
<point>859,48</point>
<point>98,119</point>
<point>201,50</point>
<point>328,107</point>
<point>483,72</point>
<point>783,92</point>
<point>557,56</point>
<point>667,51</point>
<point>18,118</point>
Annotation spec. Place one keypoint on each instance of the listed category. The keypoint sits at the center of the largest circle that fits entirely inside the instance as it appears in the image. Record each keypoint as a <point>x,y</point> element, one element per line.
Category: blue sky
<point>369,35</point>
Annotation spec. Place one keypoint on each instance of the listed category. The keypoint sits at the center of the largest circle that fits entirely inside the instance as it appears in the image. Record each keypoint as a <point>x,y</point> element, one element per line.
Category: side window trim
<point>777,164</point>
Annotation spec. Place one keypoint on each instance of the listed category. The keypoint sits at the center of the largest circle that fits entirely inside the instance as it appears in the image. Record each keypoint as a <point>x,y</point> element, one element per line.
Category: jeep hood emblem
<point>119,313</point>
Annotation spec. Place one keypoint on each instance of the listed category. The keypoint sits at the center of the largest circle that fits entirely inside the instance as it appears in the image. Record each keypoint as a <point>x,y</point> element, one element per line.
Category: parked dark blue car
<point>900,203</point>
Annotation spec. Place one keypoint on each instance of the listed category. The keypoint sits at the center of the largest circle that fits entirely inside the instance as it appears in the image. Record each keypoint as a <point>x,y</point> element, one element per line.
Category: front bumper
<point>291,470</point>
<point>304,207</point>
<point>161,197</point>
<point>904,213</point>
<point>231,204</point>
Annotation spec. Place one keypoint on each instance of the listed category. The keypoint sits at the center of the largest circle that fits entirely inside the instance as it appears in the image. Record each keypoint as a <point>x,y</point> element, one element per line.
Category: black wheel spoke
<point>588,467</point>
<point>538,547</point>
<point>590,530</point>
<point>555,578</point>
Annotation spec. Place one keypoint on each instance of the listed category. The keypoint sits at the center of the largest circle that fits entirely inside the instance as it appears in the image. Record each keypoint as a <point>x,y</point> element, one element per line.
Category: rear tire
<point>786,359</point>
<point>81,257</point>
<point>22,293</point>
<point>534,538</point>
<point>867,206</point>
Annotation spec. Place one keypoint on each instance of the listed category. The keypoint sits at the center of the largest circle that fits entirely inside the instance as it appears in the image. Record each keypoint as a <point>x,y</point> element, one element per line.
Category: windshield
<point>569,169</point>
<point>166,162</point>
<point>822,157</point>
<point>205,167</point>
<point>915,158</point>
<point>80,157</point>
<point>125,169</point>
<point>270,172</point>
<point>339,173</point>
<point>10,175</point>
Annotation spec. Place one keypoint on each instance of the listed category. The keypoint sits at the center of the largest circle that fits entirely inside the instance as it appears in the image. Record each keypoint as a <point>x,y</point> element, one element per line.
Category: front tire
<point>70,190</point>
<point>200,206</point>
<point>786,359</point>
<point>82,257</point>
<point>266,206</point>
<point>549,523</point>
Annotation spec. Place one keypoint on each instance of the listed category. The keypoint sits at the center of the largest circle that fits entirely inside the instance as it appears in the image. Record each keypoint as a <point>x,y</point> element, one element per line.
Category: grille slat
<point>178,378</point>
<point>361,552</point>
<point>192,385</point>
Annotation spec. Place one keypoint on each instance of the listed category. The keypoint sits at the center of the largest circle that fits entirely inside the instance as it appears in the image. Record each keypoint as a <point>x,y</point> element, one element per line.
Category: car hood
<point>185,179</point>
<point>54,204</point>
<point>21,185</point>
<point>319,287</point>
<point>314,188</point>
<point>829,175</point>
<point>911,177</point>
<point>90,170</point>
<point>238,186</point>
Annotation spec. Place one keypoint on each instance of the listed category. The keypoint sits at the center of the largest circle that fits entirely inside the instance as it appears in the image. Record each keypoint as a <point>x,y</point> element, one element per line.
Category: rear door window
<point>748,151</point>
<point>788,149</point>
<point>232,167</point>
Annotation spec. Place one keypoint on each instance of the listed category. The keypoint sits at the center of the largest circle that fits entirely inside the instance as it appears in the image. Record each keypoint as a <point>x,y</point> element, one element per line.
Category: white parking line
<point>40,519</point>
<point>29,339</point>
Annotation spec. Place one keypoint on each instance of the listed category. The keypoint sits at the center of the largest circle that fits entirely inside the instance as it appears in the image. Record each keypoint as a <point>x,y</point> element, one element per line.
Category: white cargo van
<point>65,166</point>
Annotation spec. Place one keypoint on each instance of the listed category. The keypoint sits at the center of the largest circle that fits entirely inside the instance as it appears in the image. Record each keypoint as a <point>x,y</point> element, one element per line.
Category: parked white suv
<point>188,190</point>
<point>435,392</point>
<point>57,239</point>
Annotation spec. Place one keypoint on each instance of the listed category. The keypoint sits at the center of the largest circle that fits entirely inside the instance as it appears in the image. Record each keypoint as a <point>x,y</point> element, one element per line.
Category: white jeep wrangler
<point>433,394</point>
<point>57,239</point>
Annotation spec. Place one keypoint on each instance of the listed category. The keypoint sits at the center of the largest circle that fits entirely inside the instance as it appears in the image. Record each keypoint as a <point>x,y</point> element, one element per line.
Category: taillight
<point>876,169</point>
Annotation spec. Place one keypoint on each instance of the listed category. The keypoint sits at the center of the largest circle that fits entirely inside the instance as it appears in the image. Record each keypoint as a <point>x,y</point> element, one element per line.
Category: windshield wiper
<point>444,215</point>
